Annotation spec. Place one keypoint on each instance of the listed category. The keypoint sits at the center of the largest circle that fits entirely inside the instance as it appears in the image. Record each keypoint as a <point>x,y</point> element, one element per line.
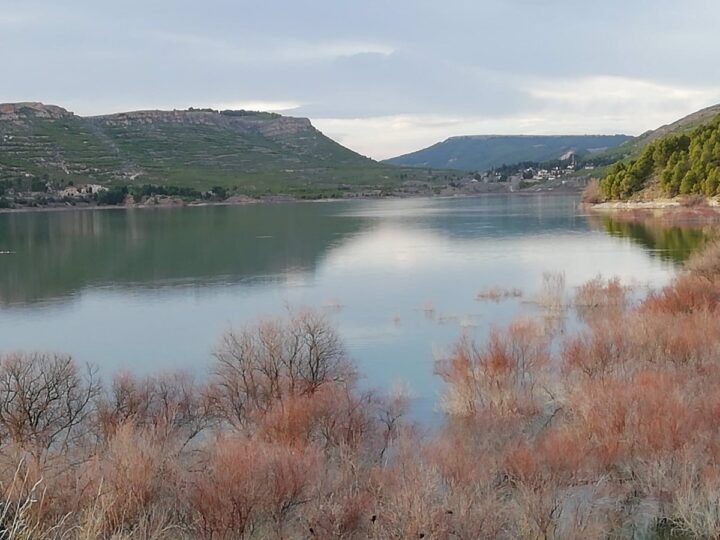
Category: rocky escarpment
<point>22,112</point>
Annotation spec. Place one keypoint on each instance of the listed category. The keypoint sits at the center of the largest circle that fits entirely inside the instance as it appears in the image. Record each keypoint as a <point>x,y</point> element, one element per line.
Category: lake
<point>153,290</point>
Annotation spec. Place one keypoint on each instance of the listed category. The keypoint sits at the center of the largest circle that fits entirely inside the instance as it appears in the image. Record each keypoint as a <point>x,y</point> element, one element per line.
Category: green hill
<point>680,159</point>
<point>634,146</point>
<point>249,152</point>
<point>484,152</point>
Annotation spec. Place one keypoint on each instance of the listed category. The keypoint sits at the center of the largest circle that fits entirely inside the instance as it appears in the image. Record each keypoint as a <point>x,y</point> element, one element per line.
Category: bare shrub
<point>552,294</point>
<point>171,405</point>
<point>347,504</point>
<point>601,298</point>
<point>639,417</point>
<point>592,194</point>
<point>272,361</point>
<point>686,294</point>
<point>696,498</point>
<point>503,376</point>
<point>336,419</point>
<point>130,477</point>
<point>705,263</point>
<point>44,400</point>
<point>470,473</point>
<point>252,488</point>
<point>606,348</point>
<point>412,501</point>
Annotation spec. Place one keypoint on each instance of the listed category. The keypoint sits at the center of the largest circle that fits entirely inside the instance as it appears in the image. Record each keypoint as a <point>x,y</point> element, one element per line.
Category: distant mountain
<point>483,152</point>
<point>196,148</point>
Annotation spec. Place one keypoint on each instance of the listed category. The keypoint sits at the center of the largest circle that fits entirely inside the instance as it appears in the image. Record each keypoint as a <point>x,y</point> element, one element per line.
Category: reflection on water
<point>150,290</point>
<point>56,255</point>
<point>671,242</point>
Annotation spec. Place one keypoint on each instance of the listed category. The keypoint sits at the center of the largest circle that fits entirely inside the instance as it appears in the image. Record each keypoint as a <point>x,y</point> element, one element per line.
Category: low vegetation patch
<point>611,431</point>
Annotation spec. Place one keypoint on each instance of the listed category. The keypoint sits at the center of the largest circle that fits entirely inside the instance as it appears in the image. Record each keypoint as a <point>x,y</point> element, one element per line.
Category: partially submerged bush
<point>495,294</point>
<point>601,298</point>
<point>552,293</point>
<point>592,194</point>
<point>504,376</point>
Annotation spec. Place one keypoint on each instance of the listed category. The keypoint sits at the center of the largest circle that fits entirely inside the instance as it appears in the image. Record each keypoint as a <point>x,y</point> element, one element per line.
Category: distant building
<point>89,189</point>
<point>79,191</point>
<point>70,191</point>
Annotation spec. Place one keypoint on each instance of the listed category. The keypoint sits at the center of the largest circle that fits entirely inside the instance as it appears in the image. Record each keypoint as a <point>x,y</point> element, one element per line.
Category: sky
<point>381,77</point>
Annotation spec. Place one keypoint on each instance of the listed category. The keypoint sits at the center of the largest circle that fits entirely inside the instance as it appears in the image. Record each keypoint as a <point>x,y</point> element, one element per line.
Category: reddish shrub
<point>171,405</point>
<point>502,376</point>
<point>685,295</point>
<point>601,299</point>
<point>605,348</point>
<point>251,487</point>
<point>706,262</point>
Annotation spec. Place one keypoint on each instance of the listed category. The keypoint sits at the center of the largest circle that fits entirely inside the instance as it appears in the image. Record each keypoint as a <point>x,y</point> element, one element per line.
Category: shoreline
<point>247,201</point>
<point>655,204</point>
<point>673,212</point>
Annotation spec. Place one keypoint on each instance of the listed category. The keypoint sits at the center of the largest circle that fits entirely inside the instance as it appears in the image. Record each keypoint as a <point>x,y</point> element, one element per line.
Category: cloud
<point>385,77</point>
<point>261,49</point>
<point>15,19</point>
<point>330,50</point>
<point>610,91</point>
<point>592,105</point>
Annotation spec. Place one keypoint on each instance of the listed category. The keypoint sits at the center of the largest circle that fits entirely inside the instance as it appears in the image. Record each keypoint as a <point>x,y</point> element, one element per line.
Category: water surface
<point>152,290</point>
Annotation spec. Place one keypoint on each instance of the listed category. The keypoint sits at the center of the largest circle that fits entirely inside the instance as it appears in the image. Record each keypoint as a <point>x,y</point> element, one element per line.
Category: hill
<point>677,160</point>
<point>633,147</point>
<point>484,152</point>
<point>253,153</point>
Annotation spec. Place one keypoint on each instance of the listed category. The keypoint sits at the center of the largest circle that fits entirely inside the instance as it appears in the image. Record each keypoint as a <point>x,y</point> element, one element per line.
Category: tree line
<point>682,164</point>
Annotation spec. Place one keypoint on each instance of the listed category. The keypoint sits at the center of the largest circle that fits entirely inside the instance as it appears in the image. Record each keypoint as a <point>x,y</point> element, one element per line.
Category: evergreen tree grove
<point>685,164</point>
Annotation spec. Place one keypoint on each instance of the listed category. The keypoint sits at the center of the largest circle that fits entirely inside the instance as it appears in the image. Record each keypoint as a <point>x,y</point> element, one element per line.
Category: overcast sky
<point>383,77</point>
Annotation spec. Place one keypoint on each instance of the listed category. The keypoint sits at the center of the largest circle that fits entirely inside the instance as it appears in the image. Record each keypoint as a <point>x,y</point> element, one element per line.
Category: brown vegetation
<point>495,294</point>
<point>592,194</point>
<point>611,432</point>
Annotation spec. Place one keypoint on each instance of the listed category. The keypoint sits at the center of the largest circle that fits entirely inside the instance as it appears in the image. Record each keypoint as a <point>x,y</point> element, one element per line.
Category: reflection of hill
<point>58,254</point>
<point>669,242</point>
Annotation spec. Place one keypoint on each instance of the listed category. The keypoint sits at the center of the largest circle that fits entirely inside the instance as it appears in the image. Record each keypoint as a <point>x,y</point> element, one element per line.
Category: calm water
<point>152,290</point>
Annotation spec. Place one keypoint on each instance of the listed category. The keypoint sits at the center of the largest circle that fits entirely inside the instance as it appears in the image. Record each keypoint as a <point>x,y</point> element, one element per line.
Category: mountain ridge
<point>193,147</point>
<point>484,152</point>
